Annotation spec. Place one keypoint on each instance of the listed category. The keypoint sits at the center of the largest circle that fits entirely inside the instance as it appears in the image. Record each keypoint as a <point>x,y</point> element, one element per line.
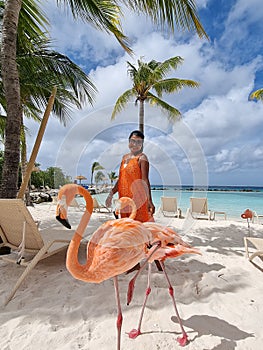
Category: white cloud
<point>248,11</point>
<point>226,166</point>
<point>219,139</point>
<point>238,24</point>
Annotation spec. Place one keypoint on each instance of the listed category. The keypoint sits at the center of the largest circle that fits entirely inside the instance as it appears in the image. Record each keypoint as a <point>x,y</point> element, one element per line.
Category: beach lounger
<point>257,216</point>
<point>98,207</point>
<point>258,245</point>
<point>75,204</point>
<point>199,209</point>
<point>20,232</point>
<point>169,207</point>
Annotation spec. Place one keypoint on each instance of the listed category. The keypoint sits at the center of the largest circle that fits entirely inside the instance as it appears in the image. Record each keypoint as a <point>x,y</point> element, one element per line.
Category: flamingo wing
<point>172,251</point>
<point>115,247</point>
<point>164,234</point>
<point>172,245</point>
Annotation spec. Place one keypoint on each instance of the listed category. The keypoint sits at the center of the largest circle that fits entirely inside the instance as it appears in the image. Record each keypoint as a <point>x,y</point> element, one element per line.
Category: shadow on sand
<point>209,325</point>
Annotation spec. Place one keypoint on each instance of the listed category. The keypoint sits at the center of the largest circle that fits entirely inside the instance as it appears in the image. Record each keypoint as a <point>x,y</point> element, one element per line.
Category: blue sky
<point>218,141</point>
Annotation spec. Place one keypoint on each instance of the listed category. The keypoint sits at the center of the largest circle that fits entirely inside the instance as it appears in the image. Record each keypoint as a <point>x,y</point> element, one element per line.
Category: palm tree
<point>104,16</point>
<point>99,177</point>
<point>95,167</point>
<point>40,69</point>
<point>150,76</point>
<point>112,176</point>
<point>257,94</point>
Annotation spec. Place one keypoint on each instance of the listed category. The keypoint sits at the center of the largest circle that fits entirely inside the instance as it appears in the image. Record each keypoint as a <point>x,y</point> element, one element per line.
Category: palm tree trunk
<point>23,150</point>
<point>141,116</point>
<point>12,92</point>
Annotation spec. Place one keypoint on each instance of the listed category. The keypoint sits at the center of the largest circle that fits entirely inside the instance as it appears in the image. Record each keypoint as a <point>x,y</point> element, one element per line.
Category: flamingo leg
<point>119,316</point>
<point>184,339</point>
<point>135,332</point>
<point>132,281</point>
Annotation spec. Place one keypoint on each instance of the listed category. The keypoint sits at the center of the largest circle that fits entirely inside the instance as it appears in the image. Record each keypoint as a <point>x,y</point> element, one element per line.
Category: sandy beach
<point>218,294</point>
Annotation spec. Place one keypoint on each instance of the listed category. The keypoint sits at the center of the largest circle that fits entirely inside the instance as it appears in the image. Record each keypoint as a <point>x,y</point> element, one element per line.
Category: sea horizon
<point>241,188</point>
<point>233,200</point>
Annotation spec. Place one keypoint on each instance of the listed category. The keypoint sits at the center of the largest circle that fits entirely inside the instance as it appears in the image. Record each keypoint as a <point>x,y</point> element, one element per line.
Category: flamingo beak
<point>62,218</point>
<point>63,221</point>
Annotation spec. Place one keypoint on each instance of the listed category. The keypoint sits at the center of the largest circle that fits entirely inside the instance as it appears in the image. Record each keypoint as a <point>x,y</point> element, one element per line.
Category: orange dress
<point>130,184</point>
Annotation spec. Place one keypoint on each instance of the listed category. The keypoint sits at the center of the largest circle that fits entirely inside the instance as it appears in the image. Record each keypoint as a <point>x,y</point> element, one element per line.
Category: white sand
<point>219,296</point>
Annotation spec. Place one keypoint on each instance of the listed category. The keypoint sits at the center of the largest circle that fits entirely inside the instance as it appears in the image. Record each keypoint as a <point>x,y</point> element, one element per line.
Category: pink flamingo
<point>115,247</point>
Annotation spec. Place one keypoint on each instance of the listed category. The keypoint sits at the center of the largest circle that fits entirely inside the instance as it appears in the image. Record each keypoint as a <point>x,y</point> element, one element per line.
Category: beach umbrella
<point>80,177</point>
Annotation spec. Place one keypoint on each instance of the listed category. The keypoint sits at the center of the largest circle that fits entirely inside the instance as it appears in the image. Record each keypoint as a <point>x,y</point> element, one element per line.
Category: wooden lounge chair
<point>258,245</point>
<point>169,207</point>
<point>199,209</point>
<point>20,232</point>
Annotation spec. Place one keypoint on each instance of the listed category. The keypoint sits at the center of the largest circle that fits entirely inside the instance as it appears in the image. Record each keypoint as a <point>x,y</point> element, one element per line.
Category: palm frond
<point>173,85</point>
<point>31,111</point>
<point>2,126</point>
<point>74,88</point>
<point>182,14</point>
<point>122,102</point>
<point>132,70</point>
<point>165,67</point>
<point>31,20</point>
<point>172,113</point>
<point>257,94</point>
<point>46,63</point>
<point>103,15</point>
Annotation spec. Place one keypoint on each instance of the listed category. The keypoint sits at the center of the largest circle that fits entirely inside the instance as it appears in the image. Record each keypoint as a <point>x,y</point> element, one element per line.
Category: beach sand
<point>218,294</point>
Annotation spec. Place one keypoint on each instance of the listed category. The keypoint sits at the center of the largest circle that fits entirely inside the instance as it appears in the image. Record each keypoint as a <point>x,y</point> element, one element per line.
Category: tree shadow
<point>222,239</point>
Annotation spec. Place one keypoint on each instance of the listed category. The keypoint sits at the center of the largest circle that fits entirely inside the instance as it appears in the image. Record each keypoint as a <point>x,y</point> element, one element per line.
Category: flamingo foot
<point>134,333</point>
<point>183,340</point>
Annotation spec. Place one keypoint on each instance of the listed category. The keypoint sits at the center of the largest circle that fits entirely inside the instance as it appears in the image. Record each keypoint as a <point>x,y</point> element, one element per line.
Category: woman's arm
<point>144,165</point>
<point>110,195</point>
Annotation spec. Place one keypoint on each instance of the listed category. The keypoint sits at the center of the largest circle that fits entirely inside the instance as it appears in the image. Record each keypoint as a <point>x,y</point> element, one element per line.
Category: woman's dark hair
<point>137,133</point>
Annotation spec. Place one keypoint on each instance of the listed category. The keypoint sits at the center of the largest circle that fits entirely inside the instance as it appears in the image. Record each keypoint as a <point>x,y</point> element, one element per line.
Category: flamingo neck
<point>126,201</point>
<point>78,271</point>
<point>133,213</point>
<point>83,223</point>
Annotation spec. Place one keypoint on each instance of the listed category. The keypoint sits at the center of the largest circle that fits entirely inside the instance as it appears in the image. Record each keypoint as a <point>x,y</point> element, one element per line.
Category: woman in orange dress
<point>134,183</point>
<point>133,180</point>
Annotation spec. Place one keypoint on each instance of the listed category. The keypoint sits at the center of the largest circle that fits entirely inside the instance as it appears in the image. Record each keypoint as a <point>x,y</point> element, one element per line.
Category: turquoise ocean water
<point>232,200</point>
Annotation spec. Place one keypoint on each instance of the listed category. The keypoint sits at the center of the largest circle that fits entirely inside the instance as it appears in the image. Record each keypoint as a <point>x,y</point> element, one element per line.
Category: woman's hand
<point>151,207</point>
